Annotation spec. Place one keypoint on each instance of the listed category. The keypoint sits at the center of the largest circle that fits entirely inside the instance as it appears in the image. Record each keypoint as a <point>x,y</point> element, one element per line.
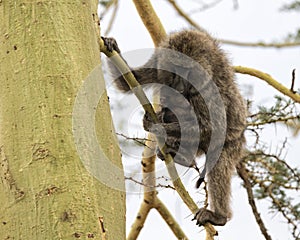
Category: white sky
<point>254,20</point>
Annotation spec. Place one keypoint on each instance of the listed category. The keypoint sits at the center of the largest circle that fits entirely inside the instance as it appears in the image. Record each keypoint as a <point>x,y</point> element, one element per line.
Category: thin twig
<point>143,184</point>
<point>184,15</point>
<point>261,153</point>
<point>242,172</point>
<point>280,206</point>
<point>280,119</point>
<point>293,81</point>
<point>205,6</point>
<point>140,141</point>
<point>113,17</point>
<point>107,7</point>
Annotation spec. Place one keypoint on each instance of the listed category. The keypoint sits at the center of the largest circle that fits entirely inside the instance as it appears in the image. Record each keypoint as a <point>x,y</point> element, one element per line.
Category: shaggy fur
<point>204,105</point>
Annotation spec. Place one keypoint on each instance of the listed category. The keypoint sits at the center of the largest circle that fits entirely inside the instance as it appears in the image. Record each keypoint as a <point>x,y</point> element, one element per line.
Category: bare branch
<point>139,222</point>
<point>242,172</point>
<point>150,20</point>
<point>184,15</point>
<point>271,81</point>
<point>206,6</point>
<point>113,17</point>
<point>149,182</point>
<point>280,119</point>
<point>167,216</point>
<point>260,44</point>
<point>143,184</point>
<point>140,141</point>
<point>230,42</point>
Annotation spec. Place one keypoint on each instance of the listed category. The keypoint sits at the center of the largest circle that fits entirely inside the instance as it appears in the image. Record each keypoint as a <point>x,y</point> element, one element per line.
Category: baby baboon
<point>202,111</point>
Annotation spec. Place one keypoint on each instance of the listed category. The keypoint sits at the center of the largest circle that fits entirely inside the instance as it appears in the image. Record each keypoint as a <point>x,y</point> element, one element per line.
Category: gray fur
<point>231,115</point>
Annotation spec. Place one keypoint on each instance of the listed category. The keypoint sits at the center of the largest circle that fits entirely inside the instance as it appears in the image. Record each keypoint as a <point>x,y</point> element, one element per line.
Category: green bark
<point>47,49</point>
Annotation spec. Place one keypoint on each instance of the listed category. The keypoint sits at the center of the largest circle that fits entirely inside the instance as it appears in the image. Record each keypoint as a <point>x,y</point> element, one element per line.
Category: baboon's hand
<point>111,44</point>
<point>204,216</point>
<point>168,130</point>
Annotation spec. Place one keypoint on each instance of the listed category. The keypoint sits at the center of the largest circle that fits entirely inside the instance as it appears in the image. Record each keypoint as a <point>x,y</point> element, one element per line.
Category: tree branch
<point>113,16</point>
<point>271,81</point>
<point>143,184</point>
<point>150,20</point>
<point>184,15</point>
<point>139,222</point>
<point>229,42</point>
<point>260,44</point>
<point>280,119</point>
<point>148,163</point>
<point>242,172</point>
<point>167,216</point>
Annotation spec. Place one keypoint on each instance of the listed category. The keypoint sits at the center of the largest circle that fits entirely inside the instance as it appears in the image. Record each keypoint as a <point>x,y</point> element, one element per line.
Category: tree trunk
<point>57,181</point>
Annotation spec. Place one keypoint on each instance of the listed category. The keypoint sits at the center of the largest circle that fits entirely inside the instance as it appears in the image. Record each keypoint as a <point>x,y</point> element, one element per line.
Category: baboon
<point>202,111</point>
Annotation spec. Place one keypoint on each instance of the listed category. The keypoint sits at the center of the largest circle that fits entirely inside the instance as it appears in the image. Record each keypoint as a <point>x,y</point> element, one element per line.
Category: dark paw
<point>148,122</point>
<point>111,44</point>
<point>204,216</point>
<point>183,159</point>
<point>169,132</point>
